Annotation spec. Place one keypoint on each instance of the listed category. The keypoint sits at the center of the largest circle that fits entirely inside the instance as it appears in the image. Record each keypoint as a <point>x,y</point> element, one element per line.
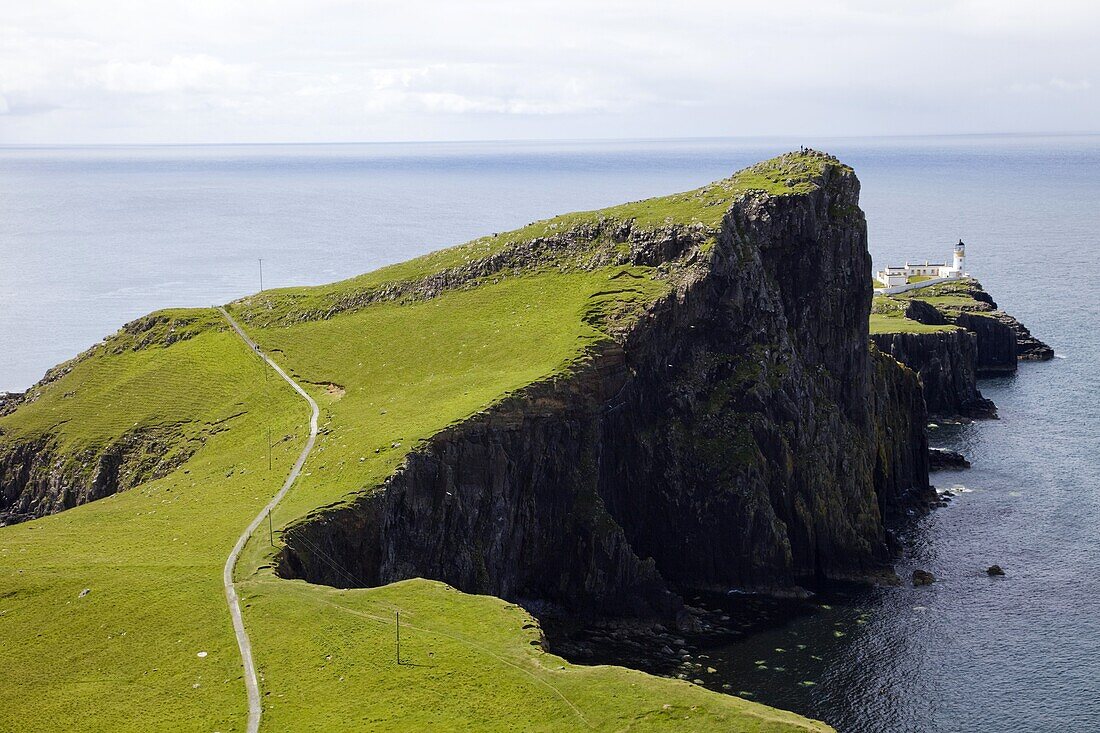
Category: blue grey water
<point>93,237</point>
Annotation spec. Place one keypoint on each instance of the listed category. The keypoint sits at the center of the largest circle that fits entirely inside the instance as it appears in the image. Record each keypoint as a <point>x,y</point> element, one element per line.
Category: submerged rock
<point>923,577</point>
<point>939,458</point>
<point>994,570</point>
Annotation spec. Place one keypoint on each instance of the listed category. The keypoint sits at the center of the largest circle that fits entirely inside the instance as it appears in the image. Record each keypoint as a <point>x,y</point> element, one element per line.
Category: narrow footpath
<point>255,709</point>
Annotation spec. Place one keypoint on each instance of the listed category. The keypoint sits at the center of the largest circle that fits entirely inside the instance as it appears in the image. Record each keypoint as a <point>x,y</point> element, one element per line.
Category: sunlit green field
<point>883,323</point>
<point>888,313</point>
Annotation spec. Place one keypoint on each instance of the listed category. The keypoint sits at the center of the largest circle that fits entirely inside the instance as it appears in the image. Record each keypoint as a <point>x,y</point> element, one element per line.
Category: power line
<point>327,559</point>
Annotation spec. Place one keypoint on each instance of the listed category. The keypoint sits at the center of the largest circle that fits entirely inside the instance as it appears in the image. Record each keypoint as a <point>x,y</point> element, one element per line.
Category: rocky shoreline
<point>985,342</point>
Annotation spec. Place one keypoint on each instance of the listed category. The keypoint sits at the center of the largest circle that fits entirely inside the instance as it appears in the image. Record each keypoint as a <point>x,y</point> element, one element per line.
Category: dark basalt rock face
<point>1002,340</point>
<point>1028,348</point>
<point>926,313</point>
<point>997,349</point>
<point>741,433</point>
<point>36,479</point>
<point>898,416</point>
<point>506,503</point>
<point>947,364</point>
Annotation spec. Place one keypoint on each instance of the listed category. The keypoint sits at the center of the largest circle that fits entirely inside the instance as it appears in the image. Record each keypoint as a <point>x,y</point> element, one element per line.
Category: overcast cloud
<point>282,70</point>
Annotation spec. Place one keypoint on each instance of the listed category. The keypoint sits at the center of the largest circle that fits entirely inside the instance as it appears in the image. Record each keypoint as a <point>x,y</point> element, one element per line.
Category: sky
<point>222,71</point>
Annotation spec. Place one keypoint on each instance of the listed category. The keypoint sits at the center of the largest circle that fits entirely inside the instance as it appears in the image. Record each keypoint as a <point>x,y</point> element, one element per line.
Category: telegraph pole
<point>269,451</point>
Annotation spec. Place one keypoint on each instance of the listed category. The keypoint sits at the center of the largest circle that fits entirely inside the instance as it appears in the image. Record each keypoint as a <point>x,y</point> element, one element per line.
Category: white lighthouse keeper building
<point>894,275</point>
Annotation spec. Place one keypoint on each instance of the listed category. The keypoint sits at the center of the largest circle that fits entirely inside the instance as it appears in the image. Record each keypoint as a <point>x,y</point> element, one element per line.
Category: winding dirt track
<point>252,685</point>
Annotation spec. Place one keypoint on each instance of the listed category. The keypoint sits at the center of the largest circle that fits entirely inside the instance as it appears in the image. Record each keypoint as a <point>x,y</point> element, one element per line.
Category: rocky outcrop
<point>9,401</point>
<point>926,313</point>
<point>1028,348</point>
<point>991,343</point>
<point>997,349</point>
<point>1002,340</point>
<point>739,434</point>
<point>947,364</point>
<point>37,478</point>
<point>941,459</point>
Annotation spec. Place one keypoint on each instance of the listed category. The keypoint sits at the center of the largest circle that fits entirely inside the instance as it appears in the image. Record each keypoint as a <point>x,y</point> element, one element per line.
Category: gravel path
<point>251,683</point>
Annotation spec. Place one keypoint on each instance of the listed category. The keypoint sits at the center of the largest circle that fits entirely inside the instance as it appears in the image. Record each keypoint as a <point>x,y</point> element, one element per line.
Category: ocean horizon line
<point>556,140</point>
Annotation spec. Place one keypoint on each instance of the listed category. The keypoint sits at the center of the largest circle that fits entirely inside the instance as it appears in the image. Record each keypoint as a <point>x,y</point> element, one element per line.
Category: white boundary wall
<point>914,286</point>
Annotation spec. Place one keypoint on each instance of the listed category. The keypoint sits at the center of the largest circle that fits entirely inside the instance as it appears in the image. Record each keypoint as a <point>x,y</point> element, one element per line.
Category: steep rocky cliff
<point>946,362</point>
<point>739,434</point>
<point>985,342</point>
<point>996,348</point>
<point>1002,340</point>
<point>1028,348</point>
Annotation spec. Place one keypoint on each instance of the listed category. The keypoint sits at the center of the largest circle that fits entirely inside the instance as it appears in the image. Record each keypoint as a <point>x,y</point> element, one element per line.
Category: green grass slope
<point>390,367</point>
<point>125,655</point>
<point>951,298</point>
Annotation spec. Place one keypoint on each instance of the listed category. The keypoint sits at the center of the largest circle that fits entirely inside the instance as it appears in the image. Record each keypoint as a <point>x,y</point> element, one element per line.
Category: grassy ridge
<point>705,206</point>
<point>387,375</point>
<point>405,372</point>
<point>101,399</point>
<point>881,323</point>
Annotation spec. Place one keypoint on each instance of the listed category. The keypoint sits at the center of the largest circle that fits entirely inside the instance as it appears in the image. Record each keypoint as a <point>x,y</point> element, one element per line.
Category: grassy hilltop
<point>392,357</point>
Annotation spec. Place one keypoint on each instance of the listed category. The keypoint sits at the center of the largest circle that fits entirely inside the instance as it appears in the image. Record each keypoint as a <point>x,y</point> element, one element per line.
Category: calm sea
<point>93,237</point>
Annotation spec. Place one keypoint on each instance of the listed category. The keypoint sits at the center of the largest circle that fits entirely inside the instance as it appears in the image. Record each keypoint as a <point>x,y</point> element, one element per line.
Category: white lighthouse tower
<point>959,263</point>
